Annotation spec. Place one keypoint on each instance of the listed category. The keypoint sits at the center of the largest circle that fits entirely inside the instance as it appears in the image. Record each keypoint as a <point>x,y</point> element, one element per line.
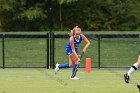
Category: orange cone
<point>88,65</point>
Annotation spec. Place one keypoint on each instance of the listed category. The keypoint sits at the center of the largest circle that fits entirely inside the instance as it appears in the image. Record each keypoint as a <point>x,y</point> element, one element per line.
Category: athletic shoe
<point>126,78</point>
<point>138,86</point>
<point>56,68</point>
<point>74,78</point>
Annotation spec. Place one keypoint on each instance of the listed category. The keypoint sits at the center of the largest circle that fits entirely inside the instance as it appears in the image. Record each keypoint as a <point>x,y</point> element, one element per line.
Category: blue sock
<point>74,70</point>
<point>66,65</point>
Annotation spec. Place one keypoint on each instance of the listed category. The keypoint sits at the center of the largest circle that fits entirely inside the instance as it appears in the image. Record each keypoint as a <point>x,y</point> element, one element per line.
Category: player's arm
<point>87,43</point>
<point>72,45</point>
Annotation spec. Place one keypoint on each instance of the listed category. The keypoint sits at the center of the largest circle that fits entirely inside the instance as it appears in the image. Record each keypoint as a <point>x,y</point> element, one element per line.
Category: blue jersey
<point>76,45</point>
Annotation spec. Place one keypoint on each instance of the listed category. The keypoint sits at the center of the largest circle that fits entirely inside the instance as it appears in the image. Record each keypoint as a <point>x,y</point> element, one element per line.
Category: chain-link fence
<point>43,51</point>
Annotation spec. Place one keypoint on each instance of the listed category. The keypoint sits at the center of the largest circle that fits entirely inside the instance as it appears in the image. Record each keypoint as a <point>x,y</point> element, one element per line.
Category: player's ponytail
<point>71,33</point>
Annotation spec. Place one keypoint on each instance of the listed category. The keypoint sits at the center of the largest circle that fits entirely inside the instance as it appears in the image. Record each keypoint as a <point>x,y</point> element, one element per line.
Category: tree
<point>32,15</point>
<point>6,8</point>
<point>22,14</point>
<point>104,14</point>
<point>60,10</point>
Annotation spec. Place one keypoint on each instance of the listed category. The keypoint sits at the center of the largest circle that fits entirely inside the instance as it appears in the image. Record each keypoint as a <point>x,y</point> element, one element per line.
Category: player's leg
<point>74,59</point>
<point>60,66</point>
<point>66,65</point>
<point>138,86</point>
<point>134,67</point>
<point>71,63</point>
<point>131,70</point>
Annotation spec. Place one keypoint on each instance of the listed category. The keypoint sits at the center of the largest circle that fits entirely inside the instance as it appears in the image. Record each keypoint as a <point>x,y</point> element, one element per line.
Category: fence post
<point>48,55</point>
<point>3,51</point>
<point>52,50</point>
<point>53,58</point>
<point>99,53</point>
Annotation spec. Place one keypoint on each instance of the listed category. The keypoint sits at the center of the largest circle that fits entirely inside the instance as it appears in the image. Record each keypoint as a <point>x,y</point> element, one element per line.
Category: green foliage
<point>7,5</point>
<point>66,1</point>
<point>22,15</point>
<point>33,15</point>
<point>107,14</point>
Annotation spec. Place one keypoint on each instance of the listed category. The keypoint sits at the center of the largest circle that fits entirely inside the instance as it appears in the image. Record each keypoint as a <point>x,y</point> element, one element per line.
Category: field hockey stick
<point>78,64</point>
<point>81,56</point>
